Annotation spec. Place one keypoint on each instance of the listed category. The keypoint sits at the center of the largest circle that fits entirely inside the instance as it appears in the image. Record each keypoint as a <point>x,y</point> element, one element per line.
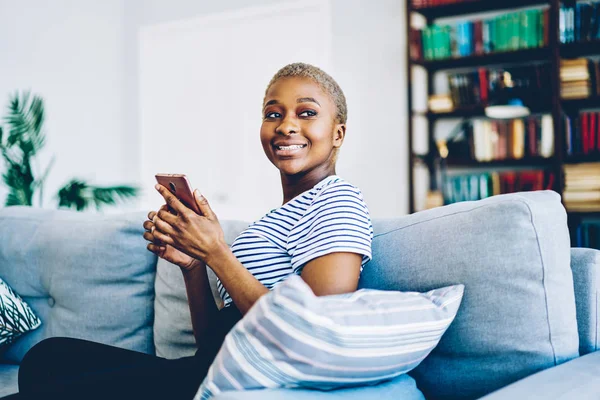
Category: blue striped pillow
<point>292,338</point>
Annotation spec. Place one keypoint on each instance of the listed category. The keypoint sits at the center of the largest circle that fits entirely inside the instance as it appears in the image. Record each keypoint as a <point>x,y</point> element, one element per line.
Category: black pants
<point>66,368</point>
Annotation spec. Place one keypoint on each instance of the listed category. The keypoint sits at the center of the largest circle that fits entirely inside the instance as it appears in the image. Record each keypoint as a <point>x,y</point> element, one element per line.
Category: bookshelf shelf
<point>473,7</point>
<point>537,162</point>
<point>475,112</point>
<point>585,158</point>
<point>577,104</point>
<point>486,60</point>
<point>583,214</point>
<point>581,49</point>
<point>462,112</point>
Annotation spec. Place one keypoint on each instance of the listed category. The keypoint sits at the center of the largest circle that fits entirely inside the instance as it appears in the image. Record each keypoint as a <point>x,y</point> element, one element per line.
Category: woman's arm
<point>243,288</point>
<point>334,273</point>
<point>203,310</point>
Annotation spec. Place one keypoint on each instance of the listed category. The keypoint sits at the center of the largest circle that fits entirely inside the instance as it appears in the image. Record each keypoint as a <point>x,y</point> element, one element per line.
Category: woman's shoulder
<point>338,187</point>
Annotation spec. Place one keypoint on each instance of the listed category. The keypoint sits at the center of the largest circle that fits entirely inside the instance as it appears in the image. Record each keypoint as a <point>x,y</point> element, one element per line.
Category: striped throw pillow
<point>16,318</point>
<point>291,338</point>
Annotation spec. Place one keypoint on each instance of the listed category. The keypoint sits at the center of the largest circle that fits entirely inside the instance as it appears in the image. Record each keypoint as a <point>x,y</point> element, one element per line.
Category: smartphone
<point>179,185</point>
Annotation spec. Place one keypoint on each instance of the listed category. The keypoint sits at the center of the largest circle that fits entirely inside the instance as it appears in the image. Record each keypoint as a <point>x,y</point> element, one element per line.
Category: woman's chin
<point>290,168</point>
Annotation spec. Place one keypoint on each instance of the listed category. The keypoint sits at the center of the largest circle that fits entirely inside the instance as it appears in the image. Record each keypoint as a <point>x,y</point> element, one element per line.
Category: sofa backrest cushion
<point>85,275</point>
<point>512,253</point>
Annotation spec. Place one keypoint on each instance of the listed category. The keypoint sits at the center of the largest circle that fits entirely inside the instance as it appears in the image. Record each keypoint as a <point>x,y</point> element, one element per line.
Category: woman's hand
<point>163,250</point>
<point>198,236</point>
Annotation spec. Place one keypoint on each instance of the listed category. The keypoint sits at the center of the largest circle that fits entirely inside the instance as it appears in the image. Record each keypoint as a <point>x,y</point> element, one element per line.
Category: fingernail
<point>157,186</point>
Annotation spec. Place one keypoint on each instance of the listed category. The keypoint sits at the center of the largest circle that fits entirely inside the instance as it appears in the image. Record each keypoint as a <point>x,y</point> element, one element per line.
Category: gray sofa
<point>527,327</point>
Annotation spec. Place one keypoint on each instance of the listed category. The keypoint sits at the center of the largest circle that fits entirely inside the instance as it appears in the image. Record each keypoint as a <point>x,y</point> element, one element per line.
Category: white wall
<point>82,56</point>
<point>71,53</point>
<point>369,64</point>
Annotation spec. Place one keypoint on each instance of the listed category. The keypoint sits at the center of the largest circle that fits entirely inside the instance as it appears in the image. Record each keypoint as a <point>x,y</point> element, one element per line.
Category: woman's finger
<point>163,238</point>
<point>151,215</point>
<point>163,227</point>
<point>166,216</point>
<point>149,236</point>
<point>148,225</point>
<point>171,200</point>
<point>158,250</point>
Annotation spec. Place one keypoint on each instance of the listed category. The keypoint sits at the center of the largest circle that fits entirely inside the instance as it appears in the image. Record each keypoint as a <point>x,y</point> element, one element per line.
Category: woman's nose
<point>288,126</point>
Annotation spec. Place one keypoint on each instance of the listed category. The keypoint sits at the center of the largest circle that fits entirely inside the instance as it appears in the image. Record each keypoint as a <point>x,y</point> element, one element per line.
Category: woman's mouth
<point>289,150</point>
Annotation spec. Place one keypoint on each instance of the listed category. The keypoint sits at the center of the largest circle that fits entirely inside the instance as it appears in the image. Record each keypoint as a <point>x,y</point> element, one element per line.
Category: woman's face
<point>299,132</point>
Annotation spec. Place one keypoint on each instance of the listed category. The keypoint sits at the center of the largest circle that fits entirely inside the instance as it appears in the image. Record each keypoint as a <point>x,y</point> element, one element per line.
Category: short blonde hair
<point>321,78</point>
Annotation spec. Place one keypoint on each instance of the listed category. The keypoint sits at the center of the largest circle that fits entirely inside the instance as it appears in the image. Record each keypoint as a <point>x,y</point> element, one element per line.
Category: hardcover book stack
<point>579,22</point>
<point>583,133</point>
<point>508,32</point>
<point>440,103</point>
<point>479,186</point>
<point>582,187</point>
<point>528,83</point>
<point>512,139</point>
<point>579,78</point>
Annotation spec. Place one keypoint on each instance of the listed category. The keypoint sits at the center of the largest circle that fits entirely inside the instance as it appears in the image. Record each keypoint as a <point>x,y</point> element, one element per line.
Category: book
<point>579,22</point>
<point>582,133</point>
<point>508,32</point>
<point>470,187</point>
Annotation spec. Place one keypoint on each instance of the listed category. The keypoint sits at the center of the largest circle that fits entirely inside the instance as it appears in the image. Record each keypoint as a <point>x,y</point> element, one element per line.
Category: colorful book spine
<point>508,32</point>
<point>582,133</point>
<point>472,187</point>
<point>579,22</point>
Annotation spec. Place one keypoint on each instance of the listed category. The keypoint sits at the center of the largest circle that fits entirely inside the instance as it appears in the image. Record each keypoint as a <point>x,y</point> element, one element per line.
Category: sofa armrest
<point>575,379</point>
<point>585,264</point>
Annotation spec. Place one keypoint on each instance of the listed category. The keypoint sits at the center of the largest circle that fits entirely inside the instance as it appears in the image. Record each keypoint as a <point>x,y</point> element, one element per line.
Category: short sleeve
<point>337,221</point>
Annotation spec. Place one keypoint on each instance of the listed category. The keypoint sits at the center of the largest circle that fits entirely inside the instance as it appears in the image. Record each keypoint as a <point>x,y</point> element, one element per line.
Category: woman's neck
<point>296,184</point>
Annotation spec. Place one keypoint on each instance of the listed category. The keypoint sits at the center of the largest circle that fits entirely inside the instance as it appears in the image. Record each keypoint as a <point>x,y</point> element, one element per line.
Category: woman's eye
<point>307,113</point>
<point>272,115</point>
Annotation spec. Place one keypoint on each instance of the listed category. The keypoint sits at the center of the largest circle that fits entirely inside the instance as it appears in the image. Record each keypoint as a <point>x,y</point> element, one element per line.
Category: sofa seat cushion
<point>85,275</point>
<point>512,253</point>
<point>8,379</point>
<point>576,379</point>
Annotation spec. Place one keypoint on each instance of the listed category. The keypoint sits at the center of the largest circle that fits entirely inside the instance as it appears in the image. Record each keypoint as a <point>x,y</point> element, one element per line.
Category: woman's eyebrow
<point>308,100</point>
<point>271,102</point>
<point>300,100</point>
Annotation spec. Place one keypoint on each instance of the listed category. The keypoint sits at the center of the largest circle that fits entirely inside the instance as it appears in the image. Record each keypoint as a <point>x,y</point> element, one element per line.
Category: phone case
<point>179,185</point>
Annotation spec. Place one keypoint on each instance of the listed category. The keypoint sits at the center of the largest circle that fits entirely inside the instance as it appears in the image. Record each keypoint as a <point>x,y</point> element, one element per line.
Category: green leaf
<point>23,140</point>
<point>79,194</point>
<point>25,120</point>
<point>72,195</point>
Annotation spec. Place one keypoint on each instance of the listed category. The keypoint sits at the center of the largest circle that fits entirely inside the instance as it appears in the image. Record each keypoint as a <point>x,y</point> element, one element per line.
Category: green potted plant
<point>21,140</point>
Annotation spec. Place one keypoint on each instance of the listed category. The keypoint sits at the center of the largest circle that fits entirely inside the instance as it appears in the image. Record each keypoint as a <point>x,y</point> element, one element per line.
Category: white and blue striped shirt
<point>329,218</point>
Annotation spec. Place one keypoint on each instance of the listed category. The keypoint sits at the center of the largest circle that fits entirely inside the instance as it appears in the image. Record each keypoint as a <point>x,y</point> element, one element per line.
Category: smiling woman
<point>321,232</point>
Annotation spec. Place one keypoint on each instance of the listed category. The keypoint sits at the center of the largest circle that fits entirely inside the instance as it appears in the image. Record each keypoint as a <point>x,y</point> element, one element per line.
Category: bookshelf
<point>473,7</point>
<point>486,60</point>
<point>550,53</point>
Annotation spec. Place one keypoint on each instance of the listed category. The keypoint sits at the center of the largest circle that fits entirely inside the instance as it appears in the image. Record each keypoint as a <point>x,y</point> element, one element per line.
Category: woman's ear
<point>339,135</point>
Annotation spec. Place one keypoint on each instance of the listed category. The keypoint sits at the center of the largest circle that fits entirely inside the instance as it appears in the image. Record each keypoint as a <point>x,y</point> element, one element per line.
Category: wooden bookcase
<point>551,54</point>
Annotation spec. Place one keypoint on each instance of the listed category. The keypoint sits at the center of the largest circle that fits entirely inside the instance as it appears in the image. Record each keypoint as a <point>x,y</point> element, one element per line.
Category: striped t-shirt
<point>331,217</point>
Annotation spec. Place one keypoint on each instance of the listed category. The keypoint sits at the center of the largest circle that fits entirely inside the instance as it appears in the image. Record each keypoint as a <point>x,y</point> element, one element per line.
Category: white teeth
<point>292,147</point>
